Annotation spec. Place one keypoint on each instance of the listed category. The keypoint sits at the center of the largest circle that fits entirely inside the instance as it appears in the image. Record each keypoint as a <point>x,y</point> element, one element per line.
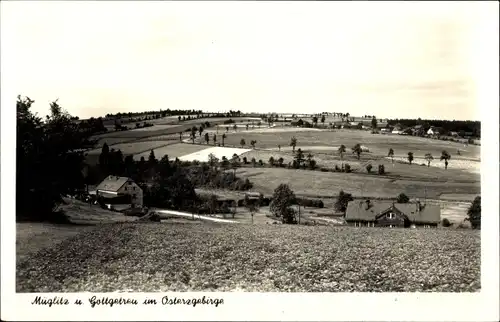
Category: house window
<point>391,226</point>
<point>390,215</point>
<point>134,188</point>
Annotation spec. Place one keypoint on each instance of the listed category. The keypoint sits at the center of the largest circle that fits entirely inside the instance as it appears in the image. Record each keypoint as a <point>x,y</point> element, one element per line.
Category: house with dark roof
<point>123,188</point>
<point>390,214</point>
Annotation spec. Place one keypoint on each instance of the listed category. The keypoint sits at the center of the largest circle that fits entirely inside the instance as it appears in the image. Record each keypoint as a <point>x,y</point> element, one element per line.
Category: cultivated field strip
<point>161,257</point>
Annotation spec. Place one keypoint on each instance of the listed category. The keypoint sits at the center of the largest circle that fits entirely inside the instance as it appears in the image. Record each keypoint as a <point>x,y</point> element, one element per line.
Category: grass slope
<point>224,257</point>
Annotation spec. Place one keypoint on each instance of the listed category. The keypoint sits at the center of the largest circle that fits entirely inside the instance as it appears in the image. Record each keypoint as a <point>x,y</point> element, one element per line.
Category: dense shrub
<point>316,203</point>
<point>445,222</point>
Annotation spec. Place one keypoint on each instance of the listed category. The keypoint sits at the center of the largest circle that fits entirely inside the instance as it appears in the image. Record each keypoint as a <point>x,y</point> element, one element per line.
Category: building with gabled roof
<point>390,214</point>
<point>119,187</point>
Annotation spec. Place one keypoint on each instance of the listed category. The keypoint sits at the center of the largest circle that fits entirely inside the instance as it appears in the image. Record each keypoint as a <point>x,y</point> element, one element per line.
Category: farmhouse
<point>434,131</point>
<point>122,188</point>
<point>389,214</point>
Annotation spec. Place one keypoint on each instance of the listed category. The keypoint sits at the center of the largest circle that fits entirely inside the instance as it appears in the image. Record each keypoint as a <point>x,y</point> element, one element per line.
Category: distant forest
<point>473,127</point>
<point>169,112</point>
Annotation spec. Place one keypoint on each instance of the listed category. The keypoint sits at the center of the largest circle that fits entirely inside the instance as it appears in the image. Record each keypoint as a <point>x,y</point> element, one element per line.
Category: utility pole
<point>299,212</point>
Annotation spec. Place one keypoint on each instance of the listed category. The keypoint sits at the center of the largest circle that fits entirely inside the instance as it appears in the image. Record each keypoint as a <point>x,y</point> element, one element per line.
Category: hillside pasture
<point>377,144</point>
<point>437,166</point>
<point>155,130</point>
<point>328,184</point>
<point>219,152</point>
<point>174,150</point>
<point>132,148</point>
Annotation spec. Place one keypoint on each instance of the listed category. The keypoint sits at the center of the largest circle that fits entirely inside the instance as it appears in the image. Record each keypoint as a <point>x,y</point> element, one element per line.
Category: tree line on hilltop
<point>473,127</point>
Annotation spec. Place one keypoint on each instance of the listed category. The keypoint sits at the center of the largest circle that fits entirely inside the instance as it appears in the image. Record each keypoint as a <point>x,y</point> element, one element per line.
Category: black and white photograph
<point>286,147</point>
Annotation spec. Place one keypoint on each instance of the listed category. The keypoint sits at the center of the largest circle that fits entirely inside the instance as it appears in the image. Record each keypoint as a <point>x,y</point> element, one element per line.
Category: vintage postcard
<point>249,160</point>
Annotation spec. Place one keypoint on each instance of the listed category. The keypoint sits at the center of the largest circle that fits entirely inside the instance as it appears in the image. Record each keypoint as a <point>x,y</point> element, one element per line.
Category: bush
<point>337,168</point>
<point>381,169</point>
<point>316,203</point>
<point>347,168</point>
<point>369,168</point>
<point>245,161</point>
<point>261,163</point>
<point>445,222</point>
<point>402,198</point>
<point>265,202</point>
<point>324,170</point>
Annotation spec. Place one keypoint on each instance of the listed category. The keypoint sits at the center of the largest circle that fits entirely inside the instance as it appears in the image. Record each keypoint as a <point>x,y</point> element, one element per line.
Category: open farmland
<point>133,147</point>
<point>328,184</point>
<point>377,144</point>
<point>219,152</point>
<point>173,151</point>
<point>272,258</point>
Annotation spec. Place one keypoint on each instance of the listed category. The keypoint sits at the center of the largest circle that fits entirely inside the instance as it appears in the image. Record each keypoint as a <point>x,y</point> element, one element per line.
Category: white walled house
<point>115,187</point>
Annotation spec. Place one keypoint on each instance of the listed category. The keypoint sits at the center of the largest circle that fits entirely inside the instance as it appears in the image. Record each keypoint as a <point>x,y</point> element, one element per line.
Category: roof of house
<point>112,183</point>
<point>356,210</point>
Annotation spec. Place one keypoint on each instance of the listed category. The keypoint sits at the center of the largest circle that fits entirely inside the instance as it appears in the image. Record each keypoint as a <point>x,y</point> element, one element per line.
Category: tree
<point>49,160</point>
<point>342,150</point>
<point>391,154</point>
<point>152,158</point>
<point>374,123</point>
<point>429,158</point>
<point>215,139</point>
<point>410,157</point>
<point>212,160</point>
<point>271,161</point>
<point>252,205</point>
<point>293,143</point>
<point>357,150</point>
<point>474,213</point>
<point>242,142</point>
<point>445,156</point>
<point>342,201</point>
<point>310,161</point>
<point>369,168</point>
<point>235,163</point>
<point>315,120</point>
<point>322,120</point>
<point>299,157</point>
<point>247,127</point>
<point>227,128</point>
<point>253,161</point>
<point>104,159</point>
<point>252,143</point>
<point>224,136</point>
<point>180,136</point>
<point>224,163</point>
<point>402,198</point>
<point>280,162</point>
<point>283,198</point>
<point>279,147</point>
<point>207,138</point>
<point>381,169</point>
<point>235,128</point>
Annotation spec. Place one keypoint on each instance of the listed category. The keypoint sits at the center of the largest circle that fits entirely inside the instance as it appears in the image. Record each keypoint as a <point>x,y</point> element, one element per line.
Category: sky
<point>393,59</point>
